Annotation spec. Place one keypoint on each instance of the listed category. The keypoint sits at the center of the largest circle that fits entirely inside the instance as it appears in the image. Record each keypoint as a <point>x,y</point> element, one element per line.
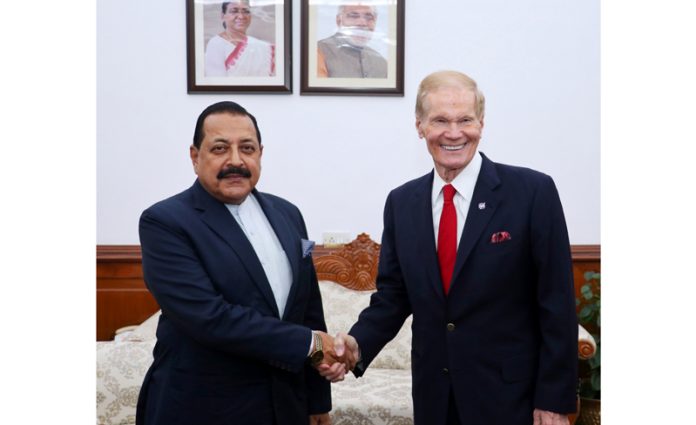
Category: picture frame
<point>251,54</point>
<point>351,47</point>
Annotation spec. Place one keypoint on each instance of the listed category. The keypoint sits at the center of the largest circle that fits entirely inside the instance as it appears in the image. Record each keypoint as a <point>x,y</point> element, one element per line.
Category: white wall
<point>537,61</point>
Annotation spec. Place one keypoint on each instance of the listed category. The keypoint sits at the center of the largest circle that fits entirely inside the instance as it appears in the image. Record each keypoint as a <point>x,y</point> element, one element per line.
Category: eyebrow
<point>453,118</point>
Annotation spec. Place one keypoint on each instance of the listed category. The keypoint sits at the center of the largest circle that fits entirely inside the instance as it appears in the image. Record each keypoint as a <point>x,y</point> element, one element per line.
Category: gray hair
<point>452,79</point>
<point>342,9</point>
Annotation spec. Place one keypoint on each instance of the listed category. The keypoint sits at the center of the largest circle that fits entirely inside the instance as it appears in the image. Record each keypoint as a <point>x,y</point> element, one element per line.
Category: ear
<point>418,128</point>
<point>481,121</point>
<point>260,151</point>
<point>193,152</point>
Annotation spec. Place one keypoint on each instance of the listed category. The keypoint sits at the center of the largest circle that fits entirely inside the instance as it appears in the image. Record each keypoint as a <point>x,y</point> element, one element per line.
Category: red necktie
<point>447,237</point>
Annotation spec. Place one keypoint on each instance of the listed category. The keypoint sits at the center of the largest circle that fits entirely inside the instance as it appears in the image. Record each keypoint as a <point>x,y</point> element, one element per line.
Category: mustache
<point>234,170</point>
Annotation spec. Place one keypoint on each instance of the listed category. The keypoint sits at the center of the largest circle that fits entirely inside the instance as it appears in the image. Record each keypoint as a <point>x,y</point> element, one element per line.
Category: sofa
<point>346,280</point>
<point>382,396</point>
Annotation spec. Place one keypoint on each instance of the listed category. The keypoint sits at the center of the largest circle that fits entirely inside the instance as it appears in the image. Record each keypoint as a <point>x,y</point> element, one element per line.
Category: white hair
<point>341,9</point>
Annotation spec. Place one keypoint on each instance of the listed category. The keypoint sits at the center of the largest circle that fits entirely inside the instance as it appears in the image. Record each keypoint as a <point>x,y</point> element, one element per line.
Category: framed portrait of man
<point>239,46</point>
<point>352,47</point>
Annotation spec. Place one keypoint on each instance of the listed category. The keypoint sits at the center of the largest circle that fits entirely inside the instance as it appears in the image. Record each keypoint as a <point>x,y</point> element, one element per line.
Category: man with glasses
<point>346,53</point>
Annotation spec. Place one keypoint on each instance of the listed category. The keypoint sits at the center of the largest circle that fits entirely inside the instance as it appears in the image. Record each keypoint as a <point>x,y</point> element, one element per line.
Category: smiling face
<point>237,16</point>
<point>451,128</point>
<point>228,141</point>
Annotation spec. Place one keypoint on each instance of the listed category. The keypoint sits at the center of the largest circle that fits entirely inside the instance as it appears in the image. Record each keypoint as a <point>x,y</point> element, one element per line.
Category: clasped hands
<point>341,354</point>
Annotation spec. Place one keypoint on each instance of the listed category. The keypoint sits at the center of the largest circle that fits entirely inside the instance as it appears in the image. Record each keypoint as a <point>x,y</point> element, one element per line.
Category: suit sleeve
<point>318,388</point>
<point>389,306</point>
<point>174,275</point>
<point>557,374</point>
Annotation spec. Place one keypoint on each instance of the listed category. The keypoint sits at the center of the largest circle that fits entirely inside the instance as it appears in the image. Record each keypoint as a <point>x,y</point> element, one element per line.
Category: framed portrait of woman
<point>239,46</point>
<point>352,47</point>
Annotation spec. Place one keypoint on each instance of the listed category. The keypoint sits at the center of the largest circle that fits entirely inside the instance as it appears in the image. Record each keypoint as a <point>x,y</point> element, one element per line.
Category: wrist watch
<point>317,355</point>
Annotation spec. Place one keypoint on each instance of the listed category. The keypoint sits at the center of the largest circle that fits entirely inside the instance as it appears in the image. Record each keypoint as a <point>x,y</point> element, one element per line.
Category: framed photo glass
<point>239,46</point>
<point>352,47</point>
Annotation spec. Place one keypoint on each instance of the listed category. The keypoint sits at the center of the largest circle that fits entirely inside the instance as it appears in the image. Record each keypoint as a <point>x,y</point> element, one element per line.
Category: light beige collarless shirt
<point>251,218</point>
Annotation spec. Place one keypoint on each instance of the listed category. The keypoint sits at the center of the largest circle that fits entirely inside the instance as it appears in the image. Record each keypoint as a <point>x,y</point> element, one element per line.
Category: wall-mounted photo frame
<point>239,46</point>
<point>352,47</point>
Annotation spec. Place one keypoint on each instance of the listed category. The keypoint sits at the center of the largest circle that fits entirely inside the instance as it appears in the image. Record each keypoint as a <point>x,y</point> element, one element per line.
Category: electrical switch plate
<point>333,239</point>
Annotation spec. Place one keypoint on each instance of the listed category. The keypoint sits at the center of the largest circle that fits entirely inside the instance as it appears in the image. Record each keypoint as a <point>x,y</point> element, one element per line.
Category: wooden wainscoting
<point>123,299</point>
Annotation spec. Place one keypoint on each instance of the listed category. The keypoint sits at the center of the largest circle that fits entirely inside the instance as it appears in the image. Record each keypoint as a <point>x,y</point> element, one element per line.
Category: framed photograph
<point>352,47</point>
<point>239,46</point>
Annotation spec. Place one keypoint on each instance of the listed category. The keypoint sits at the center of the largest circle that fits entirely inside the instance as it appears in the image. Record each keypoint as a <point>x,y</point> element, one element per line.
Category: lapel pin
<point>482,205</point>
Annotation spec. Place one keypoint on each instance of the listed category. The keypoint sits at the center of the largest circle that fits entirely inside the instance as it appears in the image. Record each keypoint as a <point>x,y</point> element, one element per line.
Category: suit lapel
<point>218,218</point>
<point>484,202</point>
<point>423,226</point>
<point>291,245</point>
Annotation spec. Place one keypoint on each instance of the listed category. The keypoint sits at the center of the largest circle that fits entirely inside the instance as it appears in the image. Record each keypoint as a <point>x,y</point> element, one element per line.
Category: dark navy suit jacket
<point>504,340</point>
<point>223,354</point>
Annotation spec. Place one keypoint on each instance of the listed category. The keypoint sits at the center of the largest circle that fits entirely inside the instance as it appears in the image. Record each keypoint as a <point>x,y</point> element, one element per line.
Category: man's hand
<point>330,359</point>
<point>327,342</point>
<point>334,373</point>
<point>329,367</point>
<point>346,358</point>
<point>320,419</point>
<point>544,417</point>
<point>347,350</point>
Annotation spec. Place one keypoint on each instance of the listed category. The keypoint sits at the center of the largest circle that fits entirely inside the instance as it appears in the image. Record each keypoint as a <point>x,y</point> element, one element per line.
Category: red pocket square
<point>499,237</point>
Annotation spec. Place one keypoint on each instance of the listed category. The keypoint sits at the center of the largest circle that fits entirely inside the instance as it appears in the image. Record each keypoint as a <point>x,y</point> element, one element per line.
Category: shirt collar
<point>248,202</point>
<point>464,183</point>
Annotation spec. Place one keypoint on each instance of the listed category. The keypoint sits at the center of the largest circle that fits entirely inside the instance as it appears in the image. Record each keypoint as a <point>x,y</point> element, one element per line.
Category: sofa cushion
<point>120,371</point>
<point>380,397</point>
<point>146,331</point>
<point>342,307</point>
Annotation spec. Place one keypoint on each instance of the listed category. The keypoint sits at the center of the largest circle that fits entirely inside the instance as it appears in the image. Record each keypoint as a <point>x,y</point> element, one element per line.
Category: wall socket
<point>332,239</point>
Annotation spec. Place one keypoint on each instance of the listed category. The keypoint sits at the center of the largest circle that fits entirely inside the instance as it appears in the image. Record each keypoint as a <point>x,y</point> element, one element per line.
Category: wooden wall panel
<point>123,299</point>
<point>128,307</point>
<point>586,258</point>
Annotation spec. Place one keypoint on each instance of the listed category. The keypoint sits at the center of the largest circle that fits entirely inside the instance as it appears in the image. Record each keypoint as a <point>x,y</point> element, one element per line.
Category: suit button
<point>450,327</point>
<point>445,371</point>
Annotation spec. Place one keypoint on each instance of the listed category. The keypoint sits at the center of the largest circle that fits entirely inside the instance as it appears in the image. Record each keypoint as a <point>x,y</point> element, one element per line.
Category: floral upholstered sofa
<point>382,396</point>
<point>346,280</point>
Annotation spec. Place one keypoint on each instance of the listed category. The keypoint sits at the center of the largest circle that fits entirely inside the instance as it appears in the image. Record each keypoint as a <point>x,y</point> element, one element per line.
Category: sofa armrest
<point>587,347</point>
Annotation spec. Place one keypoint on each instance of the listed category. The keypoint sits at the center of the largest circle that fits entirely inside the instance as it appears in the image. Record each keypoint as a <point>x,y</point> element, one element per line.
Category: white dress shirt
<point>464,183</point>
<point>251,218</point>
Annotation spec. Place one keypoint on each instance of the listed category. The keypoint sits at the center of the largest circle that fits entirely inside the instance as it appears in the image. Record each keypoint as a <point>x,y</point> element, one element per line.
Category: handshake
<point>341,354</point>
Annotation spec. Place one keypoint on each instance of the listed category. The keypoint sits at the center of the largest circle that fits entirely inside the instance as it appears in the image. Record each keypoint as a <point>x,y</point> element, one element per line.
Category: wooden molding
<point>585,252</point>
<point>118,253</point>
